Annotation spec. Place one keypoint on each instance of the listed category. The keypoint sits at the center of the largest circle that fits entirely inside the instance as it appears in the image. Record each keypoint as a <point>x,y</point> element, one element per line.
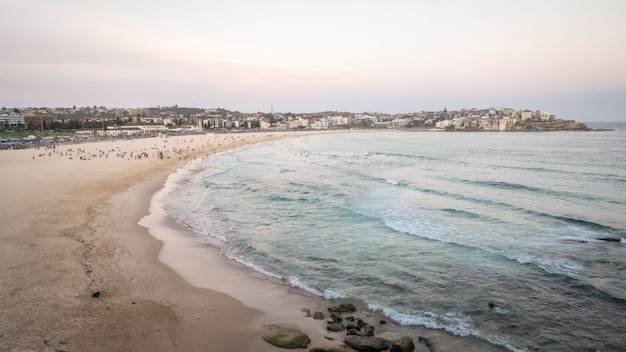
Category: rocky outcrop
<point>285,337</point>
<point>360,328</point>
<point>359,335</point>
<point>367,343</point>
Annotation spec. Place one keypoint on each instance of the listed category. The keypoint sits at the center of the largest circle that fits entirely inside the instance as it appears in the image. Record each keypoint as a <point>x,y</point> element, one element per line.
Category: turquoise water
<point>494,235</point>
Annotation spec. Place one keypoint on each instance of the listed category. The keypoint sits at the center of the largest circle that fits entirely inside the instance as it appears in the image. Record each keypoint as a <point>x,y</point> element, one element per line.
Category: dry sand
<point>69,227</point>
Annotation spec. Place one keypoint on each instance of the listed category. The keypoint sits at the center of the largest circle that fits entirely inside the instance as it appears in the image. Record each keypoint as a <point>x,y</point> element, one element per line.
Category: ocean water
<point>491,235</point>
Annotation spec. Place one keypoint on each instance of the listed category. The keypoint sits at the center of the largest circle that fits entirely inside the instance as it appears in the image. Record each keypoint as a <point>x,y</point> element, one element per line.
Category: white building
<point>320,124</point>
<point>12,120</point>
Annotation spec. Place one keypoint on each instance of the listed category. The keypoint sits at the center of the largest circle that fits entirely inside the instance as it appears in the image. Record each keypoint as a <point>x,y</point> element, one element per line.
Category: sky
<point>567,57</point>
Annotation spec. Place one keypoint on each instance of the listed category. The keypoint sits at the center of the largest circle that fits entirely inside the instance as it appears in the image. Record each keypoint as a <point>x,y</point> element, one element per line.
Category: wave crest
<point>455,323</point>
<point>327,293</point>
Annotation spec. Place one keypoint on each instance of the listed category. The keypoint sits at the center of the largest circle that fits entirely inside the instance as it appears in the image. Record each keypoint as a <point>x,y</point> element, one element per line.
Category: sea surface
<point>518,239</point>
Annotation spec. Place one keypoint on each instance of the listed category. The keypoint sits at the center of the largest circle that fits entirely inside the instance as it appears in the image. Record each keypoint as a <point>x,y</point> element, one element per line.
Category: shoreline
<point>184,251</point>
<point>83,274</point>
<point>67,226</point>
<point>187,255</point>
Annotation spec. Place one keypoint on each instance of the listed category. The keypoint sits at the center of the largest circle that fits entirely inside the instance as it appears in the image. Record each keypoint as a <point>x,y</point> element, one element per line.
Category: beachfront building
<point>298,123</point>
<point>320,124</point>
<point>126,130</point>
<point>12,120</point>
<point>338,120</point>
<point>398,123</point>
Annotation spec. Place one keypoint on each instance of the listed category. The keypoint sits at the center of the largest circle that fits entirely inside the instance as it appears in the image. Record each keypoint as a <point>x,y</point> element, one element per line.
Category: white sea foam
<point>204,200</point>
<point>212,234</point>
<point>392,181</point>
<point>455,323</point>
<point>421,228</point>
<point>328,293</point>
<point>440,233</point>
<point>201,229</point>
<point>334,294</point>
<point>553,266</point>
<point>501,311</point>
<point>254,266</point>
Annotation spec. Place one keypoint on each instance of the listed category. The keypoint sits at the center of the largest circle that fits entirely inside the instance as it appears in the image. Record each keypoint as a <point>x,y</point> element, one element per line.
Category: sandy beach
<point>79,273</point>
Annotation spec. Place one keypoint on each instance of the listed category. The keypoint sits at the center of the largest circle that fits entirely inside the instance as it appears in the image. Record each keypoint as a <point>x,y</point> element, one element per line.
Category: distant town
<point>103,121</point>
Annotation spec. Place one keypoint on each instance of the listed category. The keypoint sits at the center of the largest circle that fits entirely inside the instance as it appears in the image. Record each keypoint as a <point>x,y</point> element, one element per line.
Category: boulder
<point>335,326</point>
<point>343,308</point>
<point>318,315</point>
<point>285,337</point>
<point>367,343</point>
<point>336,318</point>
<point>361,328</point>
<point>403,344</point>
<point>368,330</point>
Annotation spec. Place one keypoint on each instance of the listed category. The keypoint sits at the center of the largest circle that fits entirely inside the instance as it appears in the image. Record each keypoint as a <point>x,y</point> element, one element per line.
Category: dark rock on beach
<point>336,318</point>
<point>285,337</point>
<point>403,344</point>
<point>361,328</point>
<point>343,308</point>
<point>335,323</point>
<point>318,315</point>
<point>360,334</point>
<point>367,343</point>
<point>335,326</point>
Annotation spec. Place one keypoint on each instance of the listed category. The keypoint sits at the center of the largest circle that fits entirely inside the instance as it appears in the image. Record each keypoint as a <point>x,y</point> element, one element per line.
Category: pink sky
<point>566,57</point>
